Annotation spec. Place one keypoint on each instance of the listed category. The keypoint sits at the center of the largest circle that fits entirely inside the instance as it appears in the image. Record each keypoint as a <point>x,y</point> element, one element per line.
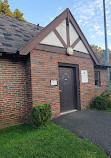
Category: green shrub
<point>107,95</point>
<point>100,103</point>
<point>41,114</point>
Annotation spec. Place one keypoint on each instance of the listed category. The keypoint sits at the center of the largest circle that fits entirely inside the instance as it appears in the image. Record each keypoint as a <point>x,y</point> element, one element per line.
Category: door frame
<point>77,81</point>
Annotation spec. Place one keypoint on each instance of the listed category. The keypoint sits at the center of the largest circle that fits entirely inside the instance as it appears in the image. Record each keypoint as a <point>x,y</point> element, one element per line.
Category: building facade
<point>53,65</point>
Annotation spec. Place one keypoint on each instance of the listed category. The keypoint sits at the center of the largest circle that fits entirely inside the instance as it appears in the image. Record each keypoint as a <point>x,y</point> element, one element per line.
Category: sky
<point>87,13</point>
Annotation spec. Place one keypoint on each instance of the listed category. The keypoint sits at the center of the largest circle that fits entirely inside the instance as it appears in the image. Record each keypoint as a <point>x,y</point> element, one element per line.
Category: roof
<point>102,61</point>
<point>15,33</point>
<point>65,15</point>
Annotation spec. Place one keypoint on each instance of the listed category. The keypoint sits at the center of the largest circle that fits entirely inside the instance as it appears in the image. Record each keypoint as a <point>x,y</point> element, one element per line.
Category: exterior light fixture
<point>69,51</point>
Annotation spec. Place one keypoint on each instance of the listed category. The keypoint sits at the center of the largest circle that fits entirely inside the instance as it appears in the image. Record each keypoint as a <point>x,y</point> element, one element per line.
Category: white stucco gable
<point>73,37</point>
<point>81,47</point>
<point>61,28</point>
<point>72,34</point>
<point>52,40</point>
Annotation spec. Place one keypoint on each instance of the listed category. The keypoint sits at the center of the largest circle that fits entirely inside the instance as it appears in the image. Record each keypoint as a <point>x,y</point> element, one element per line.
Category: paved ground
<point>88,124</point>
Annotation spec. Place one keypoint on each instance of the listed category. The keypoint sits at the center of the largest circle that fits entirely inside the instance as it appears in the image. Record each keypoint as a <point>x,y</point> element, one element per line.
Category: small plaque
<point>53,82</point>
<point>84,76</point>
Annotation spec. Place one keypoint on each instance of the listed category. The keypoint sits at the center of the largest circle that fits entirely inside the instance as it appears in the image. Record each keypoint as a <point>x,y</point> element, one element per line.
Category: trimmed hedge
<point>41,114</point>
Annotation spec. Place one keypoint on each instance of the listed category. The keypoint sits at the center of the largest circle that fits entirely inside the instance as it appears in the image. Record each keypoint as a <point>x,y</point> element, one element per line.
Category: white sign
<point>84,76</point>
<point>53,82</point>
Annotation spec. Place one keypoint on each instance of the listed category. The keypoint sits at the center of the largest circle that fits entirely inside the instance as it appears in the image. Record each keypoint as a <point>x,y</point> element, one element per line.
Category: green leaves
<point>5,9</point>
<point>102,102</point>
<point>41,114</point>
<point>18,14</point>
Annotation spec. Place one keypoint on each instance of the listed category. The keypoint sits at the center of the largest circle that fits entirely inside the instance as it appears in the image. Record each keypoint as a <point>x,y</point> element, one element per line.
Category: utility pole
<point>106,52</point>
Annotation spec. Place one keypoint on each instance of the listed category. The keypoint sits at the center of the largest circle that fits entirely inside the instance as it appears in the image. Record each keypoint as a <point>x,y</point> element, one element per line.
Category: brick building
<point>54,65</point>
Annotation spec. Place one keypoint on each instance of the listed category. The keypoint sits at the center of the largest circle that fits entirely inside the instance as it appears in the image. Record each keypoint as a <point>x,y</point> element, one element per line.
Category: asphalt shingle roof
<point>15,33</point>
<point>102,61</point>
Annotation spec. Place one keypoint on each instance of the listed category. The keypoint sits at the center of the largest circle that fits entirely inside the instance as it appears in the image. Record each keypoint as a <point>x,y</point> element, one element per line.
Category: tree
<point>100,51</point>
<point>6,1</point>
<point>18,15</point>
<point>5,9</point>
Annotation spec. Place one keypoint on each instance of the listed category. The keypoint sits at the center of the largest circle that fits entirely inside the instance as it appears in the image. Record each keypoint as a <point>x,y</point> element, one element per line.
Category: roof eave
<point>103,66</point>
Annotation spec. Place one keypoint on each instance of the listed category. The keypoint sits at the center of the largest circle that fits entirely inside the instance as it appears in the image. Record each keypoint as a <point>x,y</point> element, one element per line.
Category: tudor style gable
<point>62,32</point>
<point>65,36</point>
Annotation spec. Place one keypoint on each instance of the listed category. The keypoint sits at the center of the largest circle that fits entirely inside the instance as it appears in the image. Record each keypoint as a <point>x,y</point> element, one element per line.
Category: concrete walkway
<point>89,124</point>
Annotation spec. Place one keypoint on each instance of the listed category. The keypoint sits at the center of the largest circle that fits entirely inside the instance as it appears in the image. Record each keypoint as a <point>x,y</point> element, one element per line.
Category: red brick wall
<point>13,96</point>
<point>44,67</point>
<point>104,81</point>
<point>26,82</point>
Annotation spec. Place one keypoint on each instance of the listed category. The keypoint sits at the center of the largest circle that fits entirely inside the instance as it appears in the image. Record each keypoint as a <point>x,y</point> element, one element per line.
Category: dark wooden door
<point>67,88</point>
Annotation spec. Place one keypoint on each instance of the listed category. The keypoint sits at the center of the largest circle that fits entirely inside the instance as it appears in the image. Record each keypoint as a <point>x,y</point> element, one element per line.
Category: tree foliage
<point>18,14</point>
<point>100,51</point>
<point>5,9</point>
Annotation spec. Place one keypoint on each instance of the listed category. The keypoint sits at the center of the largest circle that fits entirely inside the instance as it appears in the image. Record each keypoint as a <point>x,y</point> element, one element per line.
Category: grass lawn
<point>108,110</point>
<point>51,141</point>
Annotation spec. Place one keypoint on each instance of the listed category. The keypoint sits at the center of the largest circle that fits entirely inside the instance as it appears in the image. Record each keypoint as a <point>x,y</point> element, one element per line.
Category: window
<point>97,78</point>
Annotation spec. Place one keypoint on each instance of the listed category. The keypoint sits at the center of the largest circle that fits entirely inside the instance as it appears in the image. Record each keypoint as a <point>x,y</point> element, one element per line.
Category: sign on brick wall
<point>84,76</point>
<point>53,82</point>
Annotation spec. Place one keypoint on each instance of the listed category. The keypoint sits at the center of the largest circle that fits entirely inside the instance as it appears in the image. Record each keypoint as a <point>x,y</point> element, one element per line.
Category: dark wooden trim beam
<point>68,37</point>
<point>60,50</point>
<point>67,29</point>
<point>67,19</point>
<point>75,42</point>
<point>81,55</point>
<point>52,49</point>
<point>60,38</point>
